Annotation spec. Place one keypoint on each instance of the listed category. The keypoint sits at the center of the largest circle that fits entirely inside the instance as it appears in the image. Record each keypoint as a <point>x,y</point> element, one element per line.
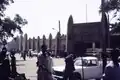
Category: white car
<point>90,69</point>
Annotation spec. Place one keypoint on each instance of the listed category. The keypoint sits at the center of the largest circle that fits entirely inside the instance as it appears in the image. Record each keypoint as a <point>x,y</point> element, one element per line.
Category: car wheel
<point>76,76</point>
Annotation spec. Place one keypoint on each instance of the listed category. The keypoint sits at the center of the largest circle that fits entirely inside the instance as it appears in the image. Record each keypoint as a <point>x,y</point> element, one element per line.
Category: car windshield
<point>85,62</point>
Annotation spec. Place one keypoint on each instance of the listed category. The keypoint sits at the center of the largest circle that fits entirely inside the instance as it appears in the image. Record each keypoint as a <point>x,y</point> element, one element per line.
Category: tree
<point>8,26</point>
<point>107,7</point>
<point>110,6</point>
<point>3,4</point>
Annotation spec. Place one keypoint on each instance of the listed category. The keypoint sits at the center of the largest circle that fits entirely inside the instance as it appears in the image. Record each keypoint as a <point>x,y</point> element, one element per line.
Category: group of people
<point>45,64</point>
<point>112,70</point>
<point>7,67</point>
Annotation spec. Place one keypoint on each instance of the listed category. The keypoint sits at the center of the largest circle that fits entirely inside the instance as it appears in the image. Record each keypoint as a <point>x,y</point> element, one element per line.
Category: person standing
<point>30,54</point>
<point>112,70</point>
<point>44,64</point>
<point>4,65</point>
<point>13,64</point>
<point>69,67</point>
<point>24,55</point>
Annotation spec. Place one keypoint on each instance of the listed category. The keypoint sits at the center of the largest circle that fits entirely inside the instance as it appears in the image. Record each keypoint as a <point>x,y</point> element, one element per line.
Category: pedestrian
<point>24,55</point>
<point>44,64</point>
<point>29,53</point>
<point>13,64</point>
<point>112,70</point>
<point>69,67</point>
<point>4,65</point>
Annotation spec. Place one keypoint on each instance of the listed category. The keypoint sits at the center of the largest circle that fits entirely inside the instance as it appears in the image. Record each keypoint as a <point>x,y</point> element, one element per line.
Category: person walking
<point>44,64</point>
<point>24,55</point>
<point>112,70</point>
<point>69,67</point>
<point>13,64</point>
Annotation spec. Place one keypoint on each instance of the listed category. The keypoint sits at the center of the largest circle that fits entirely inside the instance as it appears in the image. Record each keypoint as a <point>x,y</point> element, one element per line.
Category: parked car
<point>34,53</point>
<point>85,67</point>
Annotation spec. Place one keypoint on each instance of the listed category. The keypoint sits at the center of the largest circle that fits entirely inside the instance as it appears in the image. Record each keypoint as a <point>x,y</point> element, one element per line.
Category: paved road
<point>29,66</point>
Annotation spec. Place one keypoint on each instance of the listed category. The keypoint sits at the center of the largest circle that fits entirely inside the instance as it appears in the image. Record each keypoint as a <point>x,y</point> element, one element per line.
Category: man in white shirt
<point>44,64</point>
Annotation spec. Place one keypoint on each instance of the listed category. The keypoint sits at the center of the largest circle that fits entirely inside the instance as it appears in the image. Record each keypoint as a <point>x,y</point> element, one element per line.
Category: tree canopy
<point>112,6</point>
<point>9,26</point>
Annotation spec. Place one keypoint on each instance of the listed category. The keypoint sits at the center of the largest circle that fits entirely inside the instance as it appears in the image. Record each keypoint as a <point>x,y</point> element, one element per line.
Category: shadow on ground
<point>32,76</point>
<point>20,64</point>
<point>19,60</point>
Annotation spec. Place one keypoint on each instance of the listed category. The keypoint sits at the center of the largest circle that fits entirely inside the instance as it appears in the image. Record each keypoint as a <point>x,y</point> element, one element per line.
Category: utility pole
<point>59,40</point>
<point>59,27</point>
<point>104,58</point>
<point>58,46</point>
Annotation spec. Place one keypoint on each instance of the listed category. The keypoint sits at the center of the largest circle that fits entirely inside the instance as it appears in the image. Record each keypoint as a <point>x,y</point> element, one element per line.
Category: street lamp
<point>59,28</point>
<point>58,45</point>
<point>55,29</point>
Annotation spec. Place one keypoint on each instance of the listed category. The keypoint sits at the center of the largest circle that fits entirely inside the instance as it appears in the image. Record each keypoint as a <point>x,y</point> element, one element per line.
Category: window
<point>79,62</point>
<point>86,62</point>
<point>92,63</point>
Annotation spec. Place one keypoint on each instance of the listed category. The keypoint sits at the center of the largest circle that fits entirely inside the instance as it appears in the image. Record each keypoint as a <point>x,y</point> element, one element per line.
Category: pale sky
<point>43,15</point>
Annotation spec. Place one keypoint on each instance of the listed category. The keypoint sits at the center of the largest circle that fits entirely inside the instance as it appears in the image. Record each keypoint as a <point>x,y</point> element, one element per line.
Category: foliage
<point>115,29</point>
<point>3,4</point>
<point>8,26</point>
<point>112,6</point>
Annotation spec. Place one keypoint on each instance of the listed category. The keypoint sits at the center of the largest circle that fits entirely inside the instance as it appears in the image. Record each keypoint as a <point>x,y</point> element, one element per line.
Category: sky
<point>43,15</point>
